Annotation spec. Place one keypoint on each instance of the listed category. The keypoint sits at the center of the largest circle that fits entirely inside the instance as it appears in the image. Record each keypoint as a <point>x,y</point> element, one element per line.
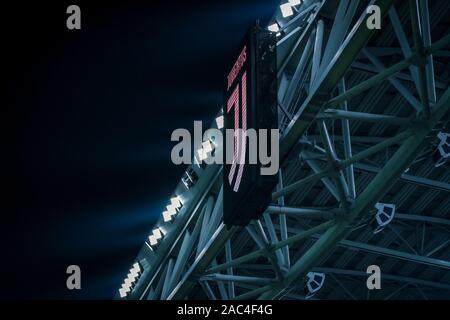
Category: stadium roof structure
<point>364,177</point>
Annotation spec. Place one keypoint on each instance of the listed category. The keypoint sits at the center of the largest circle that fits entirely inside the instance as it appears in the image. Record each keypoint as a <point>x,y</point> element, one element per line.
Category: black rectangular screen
<point>250,103</point>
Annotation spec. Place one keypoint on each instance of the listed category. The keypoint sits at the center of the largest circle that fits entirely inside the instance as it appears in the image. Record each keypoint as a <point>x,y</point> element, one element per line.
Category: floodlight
<point>126,287</point>
<point>152,240</point>
<point>134,273</point>
<point>219,122</point>
<point>175,201</point>
<point>286,10</point>
<point>207,146</point>
<point>274,27</point>
<point>137,266</point>
<point>295,2</point>
<point>202,154</point>
<point>167,216</point>
<point>171,209</point>
<point>157,233</point>
<point>122,293</point>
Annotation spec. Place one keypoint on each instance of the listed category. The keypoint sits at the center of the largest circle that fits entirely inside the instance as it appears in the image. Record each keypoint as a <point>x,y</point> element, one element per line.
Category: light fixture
<point>202,154</point>
<point>152,240</point>
<point>175,201</point>
<point>130,281</point>
<point>274,27</point>
<point>443,148</point>
<point>157,233</point>
<point>167,217</point>
<point>135,270</point>
<point>383,216</point>
<point>190,177</point>
<point>123,292</point>
<point>286,10</point>
<point>171,209</point>
<point>137,267</point>
<point>207,146</point>
<point>219,122</point>
<point>314,283</point>
<point>295,2</point>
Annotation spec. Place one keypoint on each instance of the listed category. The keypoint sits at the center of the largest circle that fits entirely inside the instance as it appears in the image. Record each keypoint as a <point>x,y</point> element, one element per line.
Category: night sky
<point>86,122</point>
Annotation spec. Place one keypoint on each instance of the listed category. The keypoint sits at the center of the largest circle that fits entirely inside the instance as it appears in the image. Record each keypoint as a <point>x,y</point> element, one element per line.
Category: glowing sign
<point>249,103</point>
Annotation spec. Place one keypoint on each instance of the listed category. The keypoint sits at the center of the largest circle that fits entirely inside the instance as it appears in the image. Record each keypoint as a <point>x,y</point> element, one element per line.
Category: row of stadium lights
<point>176,204</point>
<point>131,280</point>
<point>287,10</point>
<point>168,215</point>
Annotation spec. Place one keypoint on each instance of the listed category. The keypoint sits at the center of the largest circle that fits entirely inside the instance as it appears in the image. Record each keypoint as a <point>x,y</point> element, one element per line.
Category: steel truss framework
<point>359,113</point>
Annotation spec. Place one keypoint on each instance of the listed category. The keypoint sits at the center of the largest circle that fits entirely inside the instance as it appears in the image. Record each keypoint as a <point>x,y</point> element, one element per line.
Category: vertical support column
<point>228,256</point>
<point>165,289</point>
<point>347,144</point>
<point>317,56</point>
<point>283,223</point>
<point>426,36</point>
<point>418,47</point>
<point>403,40</point>
<point>342,187</point>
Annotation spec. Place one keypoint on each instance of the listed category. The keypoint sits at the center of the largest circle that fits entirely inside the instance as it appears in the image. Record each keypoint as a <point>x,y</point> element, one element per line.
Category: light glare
<point>167,216</point>
<point>286,10</point>
<point>219,122</point>
<point>202,154</point>
<point>207,147</point>
<point>295,2</point>
<point>274,27</point>
<point>176,202</point>
<point>157,233</point>
<point>152,240</point>
<point>171,209</point>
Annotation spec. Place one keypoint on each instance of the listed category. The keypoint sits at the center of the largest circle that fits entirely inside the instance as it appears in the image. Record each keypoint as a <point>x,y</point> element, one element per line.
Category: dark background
<point>86,119</point>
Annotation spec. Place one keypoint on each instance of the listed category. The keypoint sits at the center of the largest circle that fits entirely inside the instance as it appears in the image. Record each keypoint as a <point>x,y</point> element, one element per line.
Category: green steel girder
<point>377,188</point>
<point>341,62</point>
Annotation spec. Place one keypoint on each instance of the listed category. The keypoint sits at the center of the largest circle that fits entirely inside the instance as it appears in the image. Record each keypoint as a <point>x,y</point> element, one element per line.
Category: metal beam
<point>228,257</point>
<point>394,82</point>
<point>309,213</point>
<point>233,278</point>
<point>403,40</point>
<point>264,252</point>
<point>328,80</point>
<point>395,254</point>
<point>204,259</point>
<point>347,145</point>
<point>418,218</point>
<point>363,116</point>
<point>398,278</point>
<point>377,188</point>
<point>420,181</point>
<point>283,222</point>
<point>317,55</point>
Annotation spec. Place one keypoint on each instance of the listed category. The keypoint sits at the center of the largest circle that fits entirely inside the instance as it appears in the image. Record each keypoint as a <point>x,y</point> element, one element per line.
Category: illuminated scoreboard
<point>250,102</point>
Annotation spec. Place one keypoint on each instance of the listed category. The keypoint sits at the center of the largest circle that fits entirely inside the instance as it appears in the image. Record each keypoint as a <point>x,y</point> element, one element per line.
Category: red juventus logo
<point>238,101</point>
